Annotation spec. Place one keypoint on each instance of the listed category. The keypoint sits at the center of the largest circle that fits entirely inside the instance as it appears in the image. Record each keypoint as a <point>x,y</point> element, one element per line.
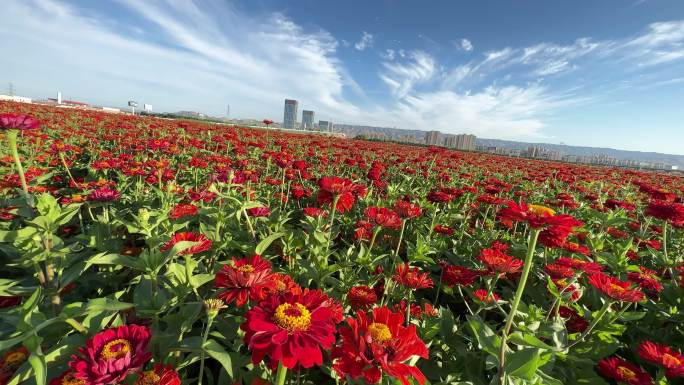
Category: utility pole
<point>11,89</point>
<point>228,111</point>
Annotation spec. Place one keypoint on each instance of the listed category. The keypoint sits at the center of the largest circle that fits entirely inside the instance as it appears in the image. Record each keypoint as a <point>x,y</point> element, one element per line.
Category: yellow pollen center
<point>379,332</point>
<point>115,349</point>
<point>617,288</point>
<point>280,286</point>
<point>246,268</point>
<point>15,359</point>
<point>294,317</point>
<point>541,210</point>
<point>626,373</point>
<point>148,378</point>
<point>69,379</point>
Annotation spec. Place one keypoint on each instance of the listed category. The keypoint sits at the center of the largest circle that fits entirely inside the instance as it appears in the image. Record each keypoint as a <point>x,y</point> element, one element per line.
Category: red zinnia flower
<point>11,361</point>
<point>407,209</point>
<point>247,278</point>
<point>623,371</point>
<point>281,284</point>
<point>331,187</point>
<point>18,122</point>
<point>646,279</point>
<point>112,354</point>
<point>575,323</point>
<point>483,296</point>
<point>183,210</point>
<point>314,212</point>
<point>159,375</point>
<point>383,217</point>
<point>663,355</point>
<point>453,275</point>
<point>615,289</point>
<point>290,328</point>
<point>202,243</point>
<point>379,343</point>
<point>667,211</point>
<point>103,194</point>
<point>361,297</point>
<point>412,277</point>
<point>536,216</point>
<point>259,212</point>
<point>499,262</point>
<point>446,230</point>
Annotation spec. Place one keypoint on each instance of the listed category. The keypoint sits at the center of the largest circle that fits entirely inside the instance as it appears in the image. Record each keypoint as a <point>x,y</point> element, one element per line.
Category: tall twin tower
<point>290,117</point>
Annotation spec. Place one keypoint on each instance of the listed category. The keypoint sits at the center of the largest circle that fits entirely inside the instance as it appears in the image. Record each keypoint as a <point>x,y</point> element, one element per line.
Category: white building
<point>464,142</point>
<point>307,120</point>
<point>19,99</point>
<point>290,115</point>
<point>325,125</point>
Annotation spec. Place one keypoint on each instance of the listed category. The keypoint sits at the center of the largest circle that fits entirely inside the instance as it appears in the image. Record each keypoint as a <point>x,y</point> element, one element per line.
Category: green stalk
<point>531,245</point>
<point>593,323</point>
<point>333,208</point>
<point>12,142</point>
<point>281,374</point>
<point>205,335</point>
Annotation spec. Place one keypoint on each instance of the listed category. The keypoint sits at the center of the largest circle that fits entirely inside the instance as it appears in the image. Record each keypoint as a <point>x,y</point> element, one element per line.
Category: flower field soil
<point>139,250</point>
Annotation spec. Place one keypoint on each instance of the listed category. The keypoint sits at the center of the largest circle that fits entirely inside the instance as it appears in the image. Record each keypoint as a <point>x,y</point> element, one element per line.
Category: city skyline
<point>604,74</point>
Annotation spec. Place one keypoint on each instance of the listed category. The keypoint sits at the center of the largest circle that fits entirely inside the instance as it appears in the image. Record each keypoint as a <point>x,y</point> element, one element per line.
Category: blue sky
<point>599,73</point>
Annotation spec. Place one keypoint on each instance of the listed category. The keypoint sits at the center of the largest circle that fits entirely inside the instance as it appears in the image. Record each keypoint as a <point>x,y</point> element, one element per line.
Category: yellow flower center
<point>148,378</point>
<point>15,359</point>
<point>541,210</point>
<point>69,379</point>
<point>246,268</point>
<point>626,373</point>
<point>115,349</point>
<point>617,288</point>
<point>294,317</point>
<point>379,332</point>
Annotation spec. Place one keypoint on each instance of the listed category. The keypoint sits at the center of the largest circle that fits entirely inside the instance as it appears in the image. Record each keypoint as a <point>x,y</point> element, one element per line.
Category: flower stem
<point>333,208</point>
<point>12,142</point>
<point>593,323</point>
<point>205,335</point>
<point>281,374</point>
<point>531,245</point>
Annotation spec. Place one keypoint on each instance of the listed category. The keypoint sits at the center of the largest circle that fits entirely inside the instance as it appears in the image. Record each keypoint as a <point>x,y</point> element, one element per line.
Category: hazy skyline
<point>603,74</point>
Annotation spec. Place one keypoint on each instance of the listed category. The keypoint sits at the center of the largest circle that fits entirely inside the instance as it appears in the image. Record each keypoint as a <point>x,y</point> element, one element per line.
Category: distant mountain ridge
<point>641,156</point>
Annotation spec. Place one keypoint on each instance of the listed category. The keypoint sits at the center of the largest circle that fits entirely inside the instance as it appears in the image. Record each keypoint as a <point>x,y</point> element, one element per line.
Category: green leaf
<point>523,363</point>
<point>266,242</point>
<point>39,368</point>
<point>488,341</point>
<point>114,259</point>
<point>527,339</point>
<point>216,351</point>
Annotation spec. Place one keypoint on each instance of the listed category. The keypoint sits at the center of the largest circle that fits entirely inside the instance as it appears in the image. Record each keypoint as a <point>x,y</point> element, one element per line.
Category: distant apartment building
<point>307,120</point>
<point>290,116</point>
<point>433,138</point>
<point>465,142</point>
<point>325,125</point>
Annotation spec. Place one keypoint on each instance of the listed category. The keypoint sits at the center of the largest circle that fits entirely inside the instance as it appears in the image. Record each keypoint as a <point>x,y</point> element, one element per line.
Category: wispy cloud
<point>366,41</point>
<point>402,77</point>
<point>465,45</point>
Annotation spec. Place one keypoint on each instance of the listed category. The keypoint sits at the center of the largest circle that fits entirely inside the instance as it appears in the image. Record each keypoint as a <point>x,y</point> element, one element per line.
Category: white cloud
<point>206,56</point>
<point>389,54</point>
<point>402,77</point>
<point>365,42</point>
<point>465,45</point>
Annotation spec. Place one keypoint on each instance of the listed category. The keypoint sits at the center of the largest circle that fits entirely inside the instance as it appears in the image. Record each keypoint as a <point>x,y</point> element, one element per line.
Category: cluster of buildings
<point>465,142</point>
<point>308,119</point>
<point>539,152</point>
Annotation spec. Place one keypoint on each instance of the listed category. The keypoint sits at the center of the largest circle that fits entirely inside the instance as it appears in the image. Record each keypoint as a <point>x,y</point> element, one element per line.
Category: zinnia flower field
<point>140,250</point>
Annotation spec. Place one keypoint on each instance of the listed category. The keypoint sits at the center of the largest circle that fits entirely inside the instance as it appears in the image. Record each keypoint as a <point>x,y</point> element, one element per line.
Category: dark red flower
<point>646,279</point>
<point>290,328</point>
<point>412,277</point>
<point>11,361</point>
<point>623,371</point>
<point>67,378</point>
<point>379,343</point>
<point>615,289</point>
<point>18,122</point>
<point>453,275</point>
<point>314,212</point>
<point>575,323</point>
<point>446,230</point>
<point>259,212</point>
<point>407,209</point>
<point>383,217</point>
<point>361,297</point>
<point>246,279</point>
<point>9,300</point>
<point>484,296</point>
<point>201,243</point>
<point>667,211</point>
<point>103,194</point>
<point>183,210</point>
<point>536,216</point>
<point>112,354</point>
